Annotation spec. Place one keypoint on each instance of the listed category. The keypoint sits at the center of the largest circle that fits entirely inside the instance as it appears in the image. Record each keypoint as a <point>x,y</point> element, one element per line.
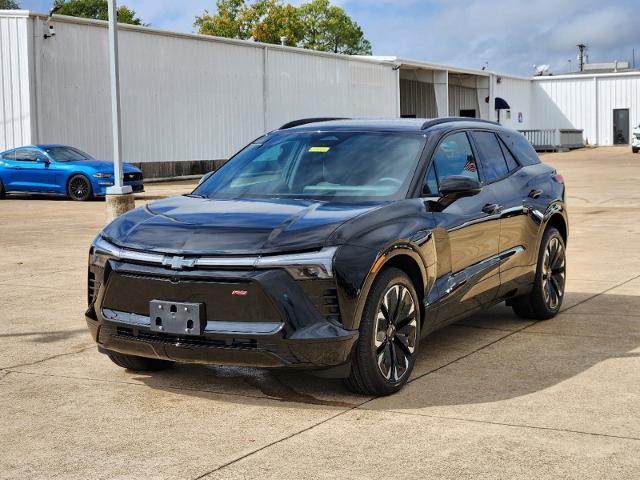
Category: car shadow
<point>488,357</point>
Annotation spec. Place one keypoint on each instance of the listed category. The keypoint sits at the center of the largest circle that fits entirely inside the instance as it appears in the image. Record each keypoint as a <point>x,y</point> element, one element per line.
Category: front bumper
<point>100,186</point>
<point>279,322</point>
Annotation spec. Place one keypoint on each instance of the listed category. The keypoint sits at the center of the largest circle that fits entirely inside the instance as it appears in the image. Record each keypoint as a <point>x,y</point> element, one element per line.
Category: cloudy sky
<point>511,35</point>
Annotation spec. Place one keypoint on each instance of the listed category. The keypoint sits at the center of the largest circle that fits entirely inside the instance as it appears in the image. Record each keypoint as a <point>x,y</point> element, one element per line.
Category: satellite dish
<point>542,70</point>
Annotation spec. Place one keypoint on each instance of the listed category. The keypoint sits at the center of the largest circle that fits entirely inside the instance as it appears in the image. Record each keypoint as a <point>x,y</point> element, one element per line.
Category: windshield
<point>322,165</point>
<point>67,154</point>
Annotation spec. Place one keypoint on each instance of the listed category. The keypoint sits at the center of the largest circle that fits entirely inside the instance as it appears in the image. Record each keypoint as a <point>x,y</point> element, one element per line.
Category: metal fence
<point>554,139</point>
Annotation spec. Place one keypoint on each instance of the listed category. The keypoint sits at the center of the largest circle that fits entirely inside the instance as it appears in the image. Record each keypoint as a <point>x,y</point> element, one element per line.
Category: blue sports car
<point>60,170</point>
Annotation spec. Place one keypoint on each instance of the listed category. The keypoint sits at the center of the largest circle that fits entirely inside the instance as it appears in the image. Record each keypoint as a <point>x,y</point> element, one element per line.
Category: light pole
<point>119,198</point>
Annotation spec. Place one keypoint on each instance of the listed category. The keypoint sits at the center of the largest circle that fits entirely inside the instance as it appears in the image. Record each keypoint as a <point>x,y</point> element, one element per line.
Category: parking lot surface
<point>492,396</point>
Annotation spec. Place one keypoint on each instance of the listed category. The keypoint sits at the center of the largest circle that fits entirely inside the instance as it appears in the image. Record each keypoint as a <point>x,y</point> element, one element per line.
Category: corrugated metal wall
<point>462,98</point>
<point>614,93</point>
<point>566,103</point>
<point>300,85</point>
<point>587,103</point>
<point>188,98</point>
<point>417,99</point>
<point>15,102</point>
<point>517,92</point>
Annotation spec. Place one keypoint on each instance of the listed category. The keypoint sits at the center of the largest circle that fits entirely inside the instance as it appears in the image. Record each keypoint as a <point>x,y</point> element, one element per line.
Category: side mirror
<point>44,160</point>
<point>457,186</point>
<point>205,177</point>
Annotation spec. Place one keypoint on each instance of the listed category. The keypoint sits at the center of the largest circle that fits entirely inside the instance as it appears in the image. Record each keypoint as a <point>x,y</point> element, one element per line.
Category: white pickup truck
<point>635,141</point>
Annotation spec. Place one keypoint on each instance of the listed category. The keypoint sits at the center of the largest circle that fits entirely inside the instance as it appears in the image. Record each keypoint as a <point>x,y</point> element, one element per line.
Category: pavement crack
<point>275,442</point>
<point>37,362</point>
<point>462,357</point>
<point>515,425</point>
<point>596,295</point>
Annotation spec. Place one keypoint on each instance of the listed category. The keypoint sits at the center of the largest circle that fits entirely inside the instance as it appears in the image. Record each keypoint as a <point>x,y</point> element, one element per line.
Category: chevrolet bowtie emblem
<point>178,263</point>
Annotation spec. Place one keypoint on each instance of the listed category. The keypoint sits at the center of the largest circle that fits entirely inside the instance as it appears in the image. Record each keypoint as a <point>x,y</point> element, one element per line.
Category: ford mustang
<point>333,246</point>
<point>60,170</point>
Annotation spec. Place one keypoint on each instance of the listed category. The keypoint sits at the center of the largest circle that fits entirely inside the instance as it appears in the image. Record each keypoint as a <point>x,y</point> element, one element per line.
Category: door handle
<point>535,193</point>
<point>491,208</point>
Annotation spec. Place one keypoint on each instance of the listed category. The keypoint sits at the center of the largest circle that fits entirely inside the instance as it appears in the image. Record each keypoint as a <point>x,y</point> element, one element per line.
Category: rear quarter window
<point>520,147</point>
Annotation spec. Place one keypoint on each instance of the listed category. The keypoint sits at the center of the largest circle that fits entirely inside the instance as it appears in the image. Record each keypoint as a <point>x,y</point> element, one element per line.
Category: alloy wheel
<point>553,273</point>
<point>396,333</point>
<point>79,188</point>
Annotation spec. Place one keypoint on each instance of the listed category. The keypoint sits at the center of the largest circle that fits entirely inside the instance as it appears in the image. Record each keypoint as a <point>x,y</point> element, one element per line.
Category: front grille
<point>330,308</point>
<point>132,177</point>
<point>235,343</point>
<point>91,288</point>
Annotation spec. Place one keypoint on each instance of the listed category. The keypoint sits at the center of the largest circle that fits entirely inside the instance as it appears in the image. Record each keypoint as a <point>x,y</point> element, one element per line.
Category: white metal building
<point>189,101</point>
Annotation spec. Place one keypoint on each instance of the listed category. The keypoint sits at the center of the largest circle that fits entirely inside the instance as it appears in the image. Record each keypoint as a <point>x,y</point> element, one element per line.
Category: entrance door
<point>468,113</point>
<point>621,126</point>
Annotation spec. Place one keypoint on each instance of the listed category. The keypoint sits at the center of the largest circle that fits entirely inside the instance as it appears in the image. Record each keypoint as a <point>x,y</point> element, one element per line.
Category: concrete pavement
<point>492,396</point>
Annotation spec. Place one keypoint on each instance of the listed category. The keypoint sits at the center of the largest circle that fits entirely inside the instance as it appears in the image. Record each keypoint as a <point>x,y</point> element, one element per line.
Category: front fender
<point>355,272</point>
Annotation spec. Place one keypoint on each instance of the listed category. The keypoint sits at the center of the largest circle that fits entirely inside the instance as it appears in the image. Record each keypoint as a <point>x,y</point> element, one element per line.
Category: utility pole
<point>582,48</point>
<point>119,198</point>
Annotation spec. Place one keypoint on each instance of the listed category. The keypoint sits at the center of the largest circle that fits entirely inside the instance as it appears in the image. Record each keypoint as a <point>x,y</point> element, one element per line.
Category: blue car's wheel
<point>1,189</point>
<point>79,188</point>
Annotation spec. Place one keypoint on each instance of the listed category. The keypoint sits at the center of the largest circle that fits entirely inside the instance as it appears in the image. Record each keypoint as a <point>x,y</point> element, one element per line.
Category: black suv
<point>333,245</point>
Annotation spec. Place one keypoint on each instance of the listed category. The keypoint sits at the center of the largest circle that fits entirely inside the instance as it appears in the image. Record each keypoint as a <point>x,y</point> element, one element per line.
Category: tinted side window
<point>9,156</point>
<point>521,148</point>
<point>512,164</point>
<point>455,157</point>
<point>491,158</point>
<point>26,155</point>
<point>430,186</point>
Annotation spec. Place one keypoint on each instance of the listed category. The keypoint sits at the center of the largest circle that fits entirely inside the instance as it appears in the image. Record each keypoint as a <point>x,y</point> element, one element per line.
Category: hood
<point>104,166</point>
<point>201,226</point>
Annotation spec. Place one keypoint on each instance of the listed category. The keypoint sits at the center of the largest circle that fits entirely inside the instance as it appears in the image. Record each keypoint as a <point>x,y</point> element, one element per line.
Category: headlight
<point>302,265</point>
<point>103,175</point>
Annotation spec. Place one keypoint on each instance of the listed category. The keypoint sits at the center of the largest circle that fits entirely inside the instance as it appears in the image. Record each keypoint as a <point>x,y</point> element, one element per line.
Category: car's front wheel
<point>546,297</point>
<point>138,364</point>
<point>1,189</point>
<point>389,334</point>
<point>635,150</point>
<point>79,188</point>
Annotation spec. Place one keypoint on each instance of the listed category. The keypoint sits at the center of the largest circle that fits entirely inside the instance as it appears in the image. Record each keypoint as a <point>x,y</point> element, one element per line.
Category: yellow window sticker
<point>320,149</point>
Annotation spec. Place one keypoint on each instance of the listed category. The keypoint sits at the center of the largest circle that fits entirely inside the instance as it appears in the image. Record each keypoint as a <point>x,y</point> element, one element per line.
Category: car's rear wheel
<point>79,188</point>
<point>546,297</point>
<point>2,192</point>
<point>138,364</point>
<point>389,334</point>
<point>635,150</point>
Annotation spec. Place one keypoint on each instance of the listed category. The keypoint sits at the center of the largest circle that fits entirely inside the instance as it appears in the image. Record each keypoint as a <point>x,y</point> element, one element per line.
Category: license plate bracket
<point>177,318</point>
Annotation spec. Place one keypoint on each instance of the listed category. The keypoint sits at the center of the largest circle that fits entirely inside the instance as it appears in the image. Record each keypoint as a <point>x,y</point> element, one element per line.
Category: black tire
<point>79,188</point>
<point>2,192</point>
<point>139,364</point>
<point>396,342</point>
<point>545,299</point>
<point>635,150</point>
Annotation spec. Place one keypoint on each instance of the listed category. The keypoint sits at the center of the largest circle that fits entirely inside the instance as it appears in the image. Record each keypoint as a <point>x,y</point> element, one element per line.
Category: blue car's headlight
<point>103,175</point>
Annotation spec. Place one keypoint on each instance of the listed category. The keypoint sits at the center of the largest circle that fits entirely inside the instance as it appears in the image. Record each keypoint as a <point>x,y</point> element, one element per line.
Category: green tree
<point>9,5</point>
<point>329,28</point>
<point>270,21</point>
<point>228,21</point>
<point>316,25</point>
<point>96,9</point>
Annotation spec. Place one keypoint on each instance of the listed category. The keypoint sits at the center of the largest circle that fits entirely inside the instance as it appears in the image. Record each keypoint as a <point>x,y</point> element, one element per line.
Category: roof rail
<point>437,121</point>
<point>304,121</point>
